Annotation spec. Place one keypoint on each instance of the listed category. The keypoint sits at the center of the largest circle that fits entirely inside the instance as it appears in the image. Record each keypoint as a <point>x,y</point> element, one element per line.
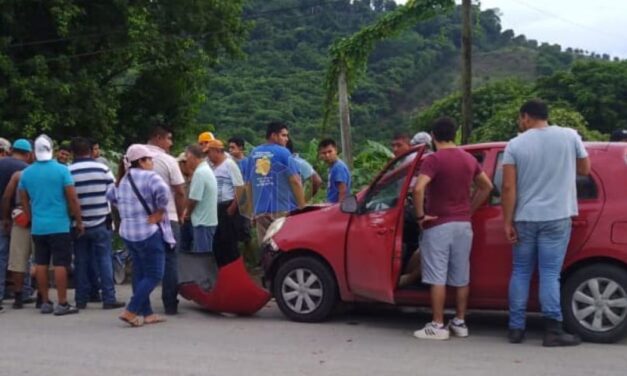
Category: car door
<point>373,243</point>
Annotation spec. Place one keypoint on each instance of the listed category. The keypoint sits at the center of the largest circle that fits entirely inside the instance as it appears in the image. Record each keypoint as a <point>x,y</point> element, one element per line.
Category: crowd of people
<point>62,204</point>
<point>203,203</point>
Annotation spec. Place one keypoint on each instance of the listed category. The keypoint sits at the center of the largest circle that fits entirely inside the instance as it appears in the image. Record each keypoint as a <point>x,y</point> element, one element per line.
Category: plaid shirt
<point>135,226</point>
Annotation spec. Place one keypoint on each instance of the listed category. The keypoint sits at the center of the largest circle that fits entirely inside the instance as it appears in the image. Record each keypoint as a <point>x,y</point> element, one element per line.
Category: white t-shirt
<point>167,167</point>
<point>228,176</point>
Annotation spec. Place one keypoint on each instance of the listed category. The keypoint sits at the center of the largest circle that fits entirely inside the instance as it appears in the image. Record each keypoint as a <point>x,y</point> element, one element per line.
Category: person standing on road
<point>230,188</point>
<point>47,189</point>
<point>92,180</point>
<point>202,202</point>
<point>167,167</point>
<point>446,180</point>
<point>339,180</point>
<point>272,179</point>
<point>539,199</point>
<point>306,172</point>
<point>142,198</point>
<point>15,236</point>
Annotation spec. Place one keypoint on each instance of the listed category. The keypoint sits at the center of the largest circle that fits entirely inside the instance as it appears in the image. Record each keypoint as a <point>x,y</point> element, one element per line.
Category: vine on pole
<point>350,54</point>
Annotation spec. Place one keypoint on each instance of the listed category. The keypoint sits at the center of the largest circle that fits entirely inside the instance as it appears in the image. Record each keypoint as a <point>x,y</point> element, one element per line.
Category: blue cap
<point>23,145</point>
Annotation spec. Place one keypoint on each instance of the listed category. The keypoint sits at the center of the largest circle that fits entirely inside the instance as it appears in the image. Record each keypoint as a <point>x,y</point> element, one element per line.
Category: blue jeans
<point>4,261</point>
<point>544,243</point>
<point>148,266</point>
<point>94,246</point>
<point>170,284</point>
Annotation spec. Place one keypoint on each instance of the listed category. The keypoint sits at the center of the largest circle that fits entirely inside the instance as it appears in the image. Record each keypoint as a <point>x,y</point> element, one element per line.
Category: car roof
<point>598,145</point>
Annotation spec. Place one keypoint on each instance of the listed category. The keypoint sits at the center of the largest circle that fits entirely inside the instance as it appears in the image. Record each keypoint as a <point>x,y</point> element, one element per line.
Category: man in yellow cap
<point>204,138</point>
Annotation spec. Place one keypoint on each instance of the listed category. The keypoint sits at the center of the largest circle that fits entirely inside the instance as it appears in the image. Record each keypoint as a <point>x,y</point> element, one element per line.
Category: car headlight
<point>274,228</point>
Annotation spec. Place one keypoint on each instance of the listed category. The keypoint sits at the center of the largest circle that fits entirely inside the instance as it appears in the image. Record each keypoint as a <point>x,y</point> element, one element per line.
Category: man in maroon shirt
<point>446,180</point>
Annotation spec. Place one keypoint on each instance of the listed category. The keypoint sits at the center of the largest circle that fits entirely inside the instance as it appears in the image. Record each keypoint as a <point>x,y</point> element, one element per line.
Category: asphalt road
<point>372,342</point>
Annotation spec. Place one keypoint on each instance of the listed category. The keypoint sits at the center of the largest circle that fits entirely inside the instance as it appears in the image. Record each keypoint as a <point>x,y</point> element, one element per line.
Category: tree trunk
<point>345,121</point>
<point>466,72</point>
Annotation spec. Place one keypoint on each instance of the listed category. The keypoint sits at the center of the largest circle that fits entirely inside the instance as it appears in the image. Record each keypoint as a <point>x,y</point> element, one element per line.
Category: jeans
<point>169,286</point>
<point>148,267</point>
<point>94,246</point>
<point>4,261</point>
<point>544,243</point>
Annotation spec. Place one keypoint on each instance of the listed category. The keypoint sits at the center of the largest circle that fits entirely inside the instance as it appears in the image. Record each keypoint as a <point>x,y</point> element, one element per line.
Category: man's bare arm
<point>316,183</point>
<point>583,166</point>
<point>297,189</point>
<point>179,199</point>
<point>75,207</point>
<point>484,187</point>
<point>508,201</point>
<point>9,193</point>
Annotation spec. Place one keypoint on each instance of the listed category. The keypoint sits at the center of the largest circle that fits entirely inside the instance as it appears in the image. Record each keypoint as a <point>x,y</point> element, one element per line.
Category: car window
<point>586,187</point>
<point>497,181</point>
<point>385,193</point>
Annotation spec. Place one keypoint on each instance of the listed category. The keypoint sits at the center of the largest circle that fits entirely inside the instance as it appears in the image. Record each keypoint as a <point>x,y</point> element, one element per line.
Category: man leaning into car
<point>446,178</point>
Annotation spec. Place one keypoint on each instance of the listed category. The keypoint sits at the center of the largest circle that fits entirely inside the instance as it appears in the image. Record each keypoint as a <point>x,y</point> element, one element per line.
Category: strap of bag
<point>139,196</point>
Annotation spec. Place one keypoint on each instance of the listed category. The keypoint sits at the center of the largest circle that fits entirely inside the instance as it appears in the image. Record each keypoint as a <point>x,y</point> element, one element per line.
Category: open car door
<point>374,239</point>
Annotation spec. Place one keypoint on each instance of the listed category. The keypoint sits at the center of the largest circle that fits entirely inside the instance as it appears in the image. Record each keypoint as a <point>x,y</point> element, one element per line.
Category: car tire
<point>594,302</point>
<point>305,289</point>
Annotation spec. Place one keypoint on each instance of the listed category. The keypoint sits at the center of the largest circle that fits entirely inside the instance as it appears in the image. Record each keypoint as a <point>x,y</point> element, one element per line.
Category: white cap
<point>43,148</point>
<point>421,138</point>
<point>5,144</point>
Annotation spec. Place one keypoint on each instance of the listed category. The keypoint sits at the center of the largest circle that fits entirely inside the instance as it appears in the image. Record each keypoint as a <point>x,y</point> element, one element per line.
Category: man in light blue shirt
<point>539,198</point>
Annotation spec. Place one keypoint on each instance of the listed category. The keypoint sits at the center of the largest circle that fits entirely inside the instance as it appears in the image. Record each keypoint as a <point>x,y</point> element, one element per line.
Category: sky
<point>597,26</point>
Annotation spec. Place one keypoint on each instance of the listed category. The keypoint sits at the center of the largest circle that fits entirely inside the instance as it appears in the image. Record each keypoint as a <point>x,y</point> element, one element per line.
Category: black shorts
<point>55,246</point>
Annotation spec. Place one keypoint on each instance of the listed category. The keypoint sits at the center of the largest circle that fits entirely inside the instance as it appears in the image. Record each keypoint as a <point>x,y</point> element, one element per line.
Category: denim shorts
<point>203,239</point>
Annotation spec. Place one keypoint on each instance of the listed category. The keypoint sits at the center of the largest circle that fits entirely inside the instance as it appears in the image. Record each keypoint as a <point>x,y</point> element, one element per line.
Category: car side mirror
<point>349,205</point>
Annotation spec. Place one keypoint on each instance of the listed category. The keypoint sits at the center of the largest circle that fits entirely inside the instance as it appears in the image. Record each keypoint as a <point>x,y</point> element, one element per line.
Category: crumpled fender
<point>233,292</point>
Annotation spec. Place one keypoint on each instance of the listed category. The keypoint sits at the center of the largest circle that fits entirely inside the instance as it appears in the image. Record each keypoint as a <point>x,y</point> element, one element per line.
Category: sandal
<point>154,319</point>
<point>132,319</point>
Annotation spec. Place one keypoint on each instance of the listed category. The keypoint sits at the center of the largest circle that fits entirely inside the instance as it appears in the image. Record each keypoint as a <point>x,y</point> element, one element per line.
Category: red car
<point>352,252</point>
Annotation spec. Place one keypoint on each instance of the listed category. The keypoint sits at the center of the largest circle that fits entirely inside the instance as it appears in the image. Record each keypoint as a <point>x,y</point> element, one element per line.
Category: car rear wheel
<point>305,289</point>
<point>594,302</point>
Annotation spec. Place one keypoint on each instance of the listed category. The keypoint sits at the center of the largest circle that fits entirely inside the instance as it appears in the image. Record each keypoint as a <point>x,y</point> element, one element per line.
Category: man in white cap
<point>5,147</point>
<point>423,138</point>
<point>46,190</point>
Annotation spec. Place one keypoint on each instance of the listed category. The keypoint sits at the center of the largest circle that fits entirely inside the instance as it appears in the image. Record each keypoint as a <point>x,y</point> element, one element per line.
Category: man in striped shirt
<point>92,180</point>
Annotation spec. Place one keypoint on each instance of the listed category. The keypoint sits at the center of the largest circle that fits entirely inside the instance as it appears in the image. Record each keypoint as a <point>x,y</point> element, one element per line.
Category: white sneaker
<point>432,331</point>
<point>458,330</point>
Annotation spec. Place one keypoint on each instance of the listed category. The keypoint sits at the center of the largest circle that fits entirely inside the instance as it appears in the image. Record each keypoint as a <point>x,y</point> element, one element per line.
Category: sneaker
<point>95,298</point>
<point>432,331</point>
<point>28,300</point>
<point>81,305</point>
<point>64,309</point>
<point>459,329</point>
<point>1,309</point>
<point>46,308</point>
<point>38,302</point>
<point>113,305</point>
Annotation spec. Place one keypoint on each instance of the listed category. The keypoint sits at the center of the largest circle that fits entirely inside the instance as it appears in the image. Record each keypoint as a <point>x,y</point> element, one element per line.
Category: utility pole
<point>345,120</point>
<point>466,71</point>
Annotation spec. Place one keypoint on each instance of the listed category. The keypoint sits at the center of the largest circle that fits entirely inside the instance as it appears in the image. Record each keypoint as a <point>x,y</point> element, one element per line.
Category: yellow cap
<point>205,137</point>
<point>215,144</point>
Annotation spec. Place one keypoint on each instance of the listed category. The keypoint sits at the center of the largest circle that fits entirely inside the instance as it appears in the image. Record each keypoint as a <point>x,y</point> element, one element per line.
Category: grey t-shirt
<point>546,173</point>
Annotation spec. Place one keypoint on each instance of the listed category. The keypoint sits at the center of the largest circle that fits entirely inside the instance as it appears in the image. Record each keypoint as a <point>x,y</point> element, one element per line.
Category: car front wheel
<point>594,302</point>
<point>305,289</point>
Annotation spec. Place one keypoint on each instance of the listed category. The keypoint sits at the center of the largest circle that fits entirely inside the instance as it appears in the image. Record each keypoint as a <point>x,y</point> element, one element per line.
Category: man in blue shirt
<point>306,171</point>
<point>46,190</point>
<point>539,199</point>
<point>272,178</point>
<point>339,184</point>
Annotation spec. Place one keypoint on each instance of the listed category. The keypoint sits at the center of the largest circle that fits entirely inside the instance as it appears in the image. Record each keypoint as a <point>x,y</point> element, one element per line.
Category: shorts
<point>20,249</point>
<point>203,239</point>
<point>445,254</point>
<point>57,247</point>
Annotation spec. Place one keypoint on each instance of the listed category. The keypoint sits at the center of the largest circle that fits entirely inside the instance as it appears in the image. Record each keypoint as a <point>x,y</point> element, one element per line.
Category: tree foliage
<point>105,69</point>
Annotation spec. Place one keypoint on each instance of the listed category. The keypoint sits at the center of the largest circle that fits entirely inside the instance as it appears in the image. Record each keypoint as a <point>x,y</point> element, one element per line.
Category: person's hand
<point>80,229</point>
<point>155,218</point>
<point>425,219</point>
<point>510,232</point>
<point>231,210</point>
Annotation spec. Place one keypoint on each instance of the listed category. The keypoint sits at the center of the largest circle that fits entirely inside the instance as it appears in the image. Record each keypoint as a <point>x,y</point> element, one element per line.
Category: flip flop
<point>135,322</point>
<point>154,319</point>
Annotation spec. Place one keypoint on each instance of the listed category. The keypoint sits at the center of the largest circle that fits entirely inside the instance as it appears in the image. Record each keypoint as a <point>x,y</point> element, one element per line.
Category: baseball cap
<point>205,137</point>
<point>138,151</point>
<point>22,145</point>
<point>421,138</point>
<point>4,144</point>
<point>43,148</point>
<point>215,144</point>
